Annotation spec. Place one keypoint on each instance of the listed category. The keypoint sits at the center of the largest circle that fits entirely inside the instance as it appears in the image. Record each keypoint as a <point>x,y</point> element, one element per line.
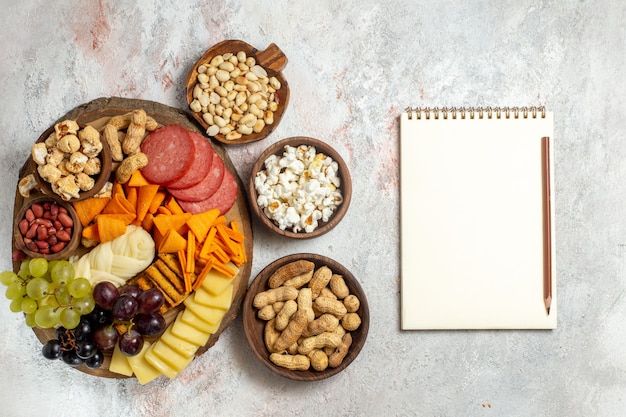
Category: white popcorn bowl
<point>345,187</point>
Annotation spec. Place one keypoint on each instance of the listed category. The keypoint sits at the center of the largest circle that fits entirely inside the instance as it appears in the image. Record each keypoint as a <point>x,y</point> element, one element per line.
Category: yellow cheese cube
<point>119,363</point>
<point>193,319</point>
<point>222,300</point>
<point>159,363</point>
<point>211,315</point>
<point>172,358</point>
<point>144,372</point>
<point>189,333</point>
<point>181,346</point>
<point>215,282</point>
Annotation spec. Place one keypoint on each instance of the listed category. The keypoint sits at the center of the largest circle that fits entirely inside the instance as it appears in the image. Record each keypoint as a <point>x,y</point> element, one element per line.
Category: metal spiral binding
<point>476,112</point>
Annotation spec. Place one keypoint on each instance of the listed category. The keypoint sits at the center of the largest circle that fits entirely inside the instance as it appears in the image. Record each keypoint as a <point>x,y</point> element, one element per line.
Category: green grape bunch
<point>48,293</point>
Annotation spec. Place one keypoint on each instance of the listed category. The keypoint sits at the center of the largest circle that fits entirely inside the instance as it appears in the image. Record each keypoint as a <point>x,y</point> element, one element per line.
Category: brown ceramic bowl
<point>271,59</point>
<point>254,326</point>
<point>100,179</point>
<point>41,200</point>
<point>345,187</point>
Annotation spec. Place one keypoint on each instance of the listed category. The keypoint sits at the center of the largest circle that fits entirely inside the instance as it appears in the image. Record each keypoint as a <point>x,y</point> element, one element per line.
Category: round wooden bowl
<point>100,179</point>
<point>71,246</point>
<point>254,326</point>
<point>272,59</point>
<point>345,186</point>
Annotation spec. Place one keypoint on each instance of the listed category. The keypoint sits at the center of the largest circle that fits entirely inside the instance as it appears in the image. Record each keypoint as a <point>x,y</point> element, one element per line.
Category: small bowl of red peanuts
<point>47,227</point>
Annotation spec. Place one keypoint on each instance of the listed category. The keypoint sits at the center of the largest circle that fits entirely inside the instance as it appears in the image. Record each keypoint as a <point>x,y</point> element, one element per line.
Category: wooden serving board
<point>96,113</point>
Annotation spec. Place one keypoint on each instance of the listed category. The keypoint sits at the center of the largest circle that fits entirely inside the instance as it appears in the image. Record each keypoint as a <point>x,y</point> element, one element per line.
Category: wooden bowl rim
<point>253,326</point>
<point>106,167</point>
<point>76,229</point>
<point>234,46</point>
<point>344,176</point>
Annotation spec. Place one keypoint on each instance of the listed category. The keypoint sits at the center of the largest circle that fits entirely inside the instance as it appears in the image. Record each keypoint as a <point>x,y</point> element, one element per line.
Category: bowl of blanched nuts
<point>72,162</point>
<point>46,227</point>
<point>305,317</point>
<point>238,93</point>
<point>300,187</point>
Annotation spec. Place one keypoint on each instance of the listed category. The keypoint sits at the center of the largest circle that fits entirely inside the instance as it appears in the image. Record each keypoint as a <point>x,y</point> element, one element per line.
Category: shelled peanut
<point>309,314</point>
<point>235,95</point>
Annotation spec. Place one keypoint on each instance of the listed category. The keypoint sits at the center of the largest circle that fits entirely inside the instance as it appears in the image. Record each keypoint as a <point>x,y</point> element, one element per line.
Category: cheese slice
<point>181,346</point>
<point>222,300</point>
<point>144,372</point>
<point>189,333</point>
<point>159,363</point>
<point>172,358</point>
<point>193,319</point>
<point>119,363</point>
<point>211,315</point>
<point>216,282</point>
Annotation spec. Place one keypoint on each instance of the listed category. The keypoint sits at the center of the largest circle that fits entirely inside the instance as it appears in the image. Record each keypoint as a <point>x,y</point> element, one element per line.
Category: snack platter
<point>96,114</point>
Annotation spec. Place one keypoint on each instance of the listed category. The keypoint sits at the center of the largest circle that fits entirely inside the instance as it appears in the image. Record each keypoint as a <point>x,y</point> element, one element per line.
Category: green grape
<point>38,267</point>
<point>24,271</point>
<point>8,277</point>
<point>79,287</point>
<point>84,305</point>
<point>62,273</point>
<point>46,317</point>
<point>49,300</point>
<point>29,305</point>
<point>69,318</point>
<point>15,290</point>
<point>62,295</point>
<point>37,288</point>
<point>16,305</point>
<point>51,265</point>
<point>30,319</point>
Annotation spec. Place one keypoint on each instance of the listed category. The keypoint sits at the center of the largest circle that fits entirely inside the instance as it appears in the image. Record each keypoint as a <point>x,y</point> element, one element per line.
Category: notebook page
<point>472,224</point>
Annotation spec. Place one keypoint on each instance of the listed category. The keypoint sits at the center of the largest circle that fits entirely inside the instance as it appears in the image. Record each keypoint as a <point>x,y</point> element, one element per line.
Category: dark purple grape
<point>105,294</point>
<point>71,358</point>
<point>105,337</point>
<point>124,308</point>
<point>150,301</point>
<point>95,361</point>
<point>52,349</point>
<point>149,324</point>
<point>84,330</point>
<point>85,349</point>
<point>131,342</point>
<point>64,335</point>
<point>99,316</point>
<point>132,289</point>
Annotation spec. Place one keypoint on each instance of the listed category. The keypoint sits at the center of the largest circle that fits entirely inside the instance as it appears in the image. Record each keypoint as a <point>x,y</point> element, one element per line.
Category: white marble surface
<point>353,66</point>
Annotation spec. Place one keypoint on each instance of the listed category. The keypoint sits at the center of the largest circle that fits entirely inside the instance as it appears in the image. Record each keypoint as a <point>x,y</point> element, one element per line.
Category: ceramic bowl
<point>345,187</point>
<point>254,326</point>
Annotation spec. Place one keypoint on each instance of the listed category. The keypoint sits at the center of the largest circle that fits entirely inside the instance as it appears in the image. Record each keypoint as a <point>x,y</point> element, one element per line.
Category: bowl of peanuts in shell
<point>238,93</point>
<point>46,227</point>
<point>300,187</point>
<point>71,162</point>
<point>305,317</point>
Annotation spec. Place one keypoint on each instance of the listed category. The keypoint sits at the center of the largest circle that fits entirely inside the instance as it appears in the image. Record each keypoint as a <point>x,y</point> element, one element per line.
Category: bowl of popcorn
<point>72,162</point>
<point>238,93</point>
<point>305,317</point>
<point>300,187</point>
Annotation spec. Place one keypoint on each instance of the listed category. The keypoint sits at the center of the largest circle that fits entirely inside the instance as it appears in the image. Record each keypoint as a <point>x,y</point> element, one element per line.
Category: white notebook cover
<point>472,242</point>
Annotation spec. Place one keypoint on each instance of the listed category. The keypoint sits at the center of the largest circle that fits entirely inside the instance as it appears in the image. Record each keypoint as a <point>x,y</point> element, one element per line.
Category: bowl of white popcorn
<point>300,187</point>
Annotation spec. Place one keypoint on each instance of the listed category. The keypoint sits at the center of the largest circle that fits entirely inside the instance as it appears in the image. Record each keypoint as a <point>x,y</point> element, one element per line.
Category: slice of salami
<point>206,187</point>
<point>201,163</point>
<point>223,199</point>
<point>170,151</point>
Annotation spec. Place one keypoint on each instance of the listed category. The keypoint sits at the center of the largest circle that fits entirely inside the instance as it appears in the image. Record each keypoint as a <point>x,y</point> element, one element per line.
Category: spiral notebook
<point>477,219</point>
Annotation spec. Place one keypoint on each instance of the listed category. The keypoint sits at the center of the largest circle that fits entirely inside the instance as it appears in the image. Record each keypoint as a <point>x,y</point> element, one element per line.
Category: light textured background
<point>353,67</point>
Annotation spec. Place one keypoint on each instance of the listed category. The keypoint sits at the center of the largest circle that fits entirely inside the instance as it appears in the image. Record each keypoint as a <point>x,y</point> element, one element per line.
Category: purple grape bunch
<point>138,310</point>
